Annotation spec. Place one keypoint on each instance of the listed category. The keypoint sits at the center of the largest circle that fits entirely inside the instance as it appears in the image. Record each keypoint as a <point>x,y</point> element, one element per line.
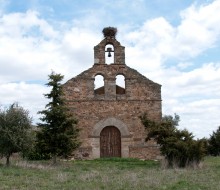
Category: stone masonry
<point>112,105</point>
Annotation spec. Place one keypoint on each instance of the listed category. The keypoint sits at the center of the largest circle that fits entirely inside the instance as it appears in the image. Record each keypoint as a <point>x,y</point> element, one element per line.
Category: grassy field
<point>107,174</point>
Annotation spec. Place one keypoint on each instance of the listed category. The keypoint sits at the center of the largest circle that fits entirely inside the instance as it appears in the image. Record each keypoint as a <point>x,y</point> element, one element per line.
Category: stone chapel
<point>108,116</point>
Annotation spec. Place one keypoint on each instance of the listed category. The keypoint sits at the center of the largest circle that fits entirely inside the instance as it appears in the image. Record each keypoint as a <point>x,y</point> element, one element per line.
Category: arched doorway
<point>110,142</point>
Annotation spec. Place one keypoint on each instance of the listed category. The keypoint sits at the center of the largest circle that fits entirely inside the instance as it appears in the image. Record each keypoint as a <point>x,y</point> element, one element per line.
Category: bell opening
<point>109,54</point>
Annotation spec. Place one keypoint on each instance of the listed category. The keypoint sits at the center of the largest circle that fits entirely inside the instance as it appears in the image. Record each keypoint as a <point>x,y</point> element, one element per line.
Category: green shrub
<point>177,146</point>
<point>214,143</point>
<point>37,155</point>
<point>34,152</point>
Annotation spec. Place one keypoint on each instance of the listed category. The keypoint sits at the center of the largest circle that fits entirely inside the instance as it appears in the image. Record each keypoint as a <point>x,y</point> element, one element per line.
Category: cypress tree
<point>58,132</point>
<point>214,143</point>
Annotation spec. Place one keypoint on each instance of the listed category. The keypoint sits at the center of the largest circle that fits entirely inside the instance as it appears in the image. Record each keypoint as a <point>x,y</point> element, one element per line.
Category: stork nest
<point>109,31</point>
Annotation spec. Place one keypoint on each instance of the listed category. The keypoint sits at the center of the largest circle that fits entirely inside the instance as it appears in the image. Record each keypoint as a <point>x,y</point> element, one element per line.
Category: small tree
<point>58,133</point>
<point>214,143</point>
<point>15,127</point>
<point>178,146</point>
<point>35,152</point>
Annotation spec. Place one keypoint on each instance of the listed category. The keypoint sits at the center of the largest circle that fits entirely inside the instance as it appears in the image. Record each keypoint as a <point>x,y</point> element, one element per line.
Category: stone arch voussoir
<point>111,121</point>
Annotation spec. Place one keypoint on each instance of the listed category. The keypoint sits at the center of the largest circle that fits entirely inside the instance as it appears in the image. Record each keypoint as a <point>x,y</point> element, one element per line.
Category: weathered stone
<point>112,105</point>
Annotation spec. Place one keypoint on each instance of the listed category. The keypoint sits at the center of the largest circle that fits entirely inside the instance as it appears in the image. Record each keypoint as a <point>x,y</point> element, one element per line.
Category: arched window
<point>120,84</point>
<point>109,54</point>
<point>99,86</point>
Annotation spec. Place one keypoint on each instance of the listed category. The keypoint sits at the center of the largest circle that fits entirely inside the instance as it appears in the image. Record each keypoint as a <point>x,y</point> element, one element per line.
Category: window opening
<point>120,84</point>
<point>99,87</point>
<point>109,54</point>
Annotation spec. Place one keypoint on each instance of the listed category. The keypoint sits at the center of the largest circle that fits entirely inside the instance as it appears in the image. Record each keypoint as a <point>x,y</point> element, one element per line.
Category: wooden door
<point>110,142</point>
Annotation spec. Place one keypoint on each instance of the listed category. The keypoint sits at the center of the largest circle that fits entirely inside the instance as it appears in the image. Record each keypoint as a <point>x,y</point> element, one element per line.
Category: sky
<point>174,43</point>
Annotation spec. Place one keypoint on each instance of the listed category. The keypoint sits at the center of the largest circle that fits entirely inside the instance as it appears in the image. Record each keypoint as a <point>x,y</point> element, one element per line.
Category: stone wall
<point>137,86</point>
<point>149,152</point>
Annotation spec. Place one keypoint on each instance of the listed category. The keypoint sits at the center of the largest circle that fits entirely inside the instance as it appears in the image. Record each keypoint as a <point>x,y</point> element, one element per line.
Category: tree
<point>58,132</point>
<point>34,152</point>
<point>177,146</point>
<point>214,143</point>
<point>15,127</point>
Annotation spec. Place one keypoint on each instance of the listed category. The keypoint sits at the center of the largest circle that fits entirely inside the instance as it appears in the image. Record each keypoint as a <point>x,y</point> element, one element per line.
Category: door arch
<point>110,142</point>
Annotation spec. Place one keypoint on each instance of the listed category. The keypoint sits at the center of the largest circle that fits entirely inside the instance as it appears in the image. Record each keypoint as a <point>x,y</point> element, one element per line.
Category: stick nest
<point>109,31</point>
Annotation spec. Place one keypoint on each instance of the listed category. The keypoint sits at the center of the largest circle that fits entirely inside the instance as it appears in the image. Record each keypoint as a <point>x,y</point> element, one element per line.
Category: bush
<point>36,155</point>
<point>177,146</point>
<point>34,152</point>
<point>214,143</point>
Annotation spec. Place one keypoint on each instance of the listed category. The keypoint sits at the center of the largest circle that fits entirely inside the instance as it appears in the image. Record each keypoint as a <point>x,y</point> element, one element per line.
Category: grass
<point>117,174</point>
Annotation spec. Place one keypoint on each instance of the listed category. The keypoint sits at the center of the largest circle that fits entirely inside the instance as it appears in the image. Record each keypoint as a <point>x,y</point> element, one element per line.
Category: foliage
<point>58,133</point>
<point>177,146</point>
<point>214,143</point>
<point>15,129</point>
<point>34,152</point>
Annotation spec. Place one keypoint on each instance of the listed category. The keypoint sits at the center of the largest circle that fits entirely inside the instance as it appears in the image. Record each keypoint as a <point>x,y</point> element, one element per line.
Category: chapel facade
<point>108,116</point>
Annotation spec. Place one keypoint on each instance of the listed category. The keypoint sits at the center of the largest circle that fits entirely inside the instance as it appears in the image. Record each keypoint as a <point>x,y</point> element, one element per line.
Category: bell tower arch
<point>102,48</point>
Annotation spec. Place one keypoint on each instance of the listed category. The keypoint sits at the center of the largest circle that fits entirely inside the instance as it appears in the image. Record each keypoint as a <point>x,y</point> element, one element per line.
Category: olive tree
<point>15,127</point>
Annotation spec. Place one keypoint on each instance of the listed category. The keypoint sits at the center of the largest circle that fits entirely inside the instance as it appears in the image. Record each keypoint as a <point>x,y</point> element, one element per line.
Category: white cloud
<point>195,96</point>
<point>29,96</point>
<point>208,73</point>
<point>76,49</point>
<point>199,29</point>
<point>24,24</point>
<point>25,55</point>
<point>158,40</point>
<point>201,116</point>
<point>147,45</point>
<point>30,48</point>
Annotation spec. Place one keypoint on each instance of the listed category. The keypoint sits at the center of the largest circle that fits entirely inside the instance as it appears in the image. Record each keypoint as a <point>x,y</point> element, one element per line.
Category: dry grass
<point>108,174</point>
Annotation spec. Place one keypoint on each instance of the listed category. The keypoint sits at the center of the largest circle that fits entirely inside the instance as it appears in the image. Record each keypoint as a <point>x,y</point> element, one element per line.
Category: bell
<point>109,50</point>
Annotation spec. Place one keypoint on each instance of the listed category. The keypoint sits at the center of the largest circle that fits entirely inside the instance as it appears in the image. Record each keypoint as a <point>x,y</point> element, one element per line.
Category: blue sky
<point>174,43</point>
